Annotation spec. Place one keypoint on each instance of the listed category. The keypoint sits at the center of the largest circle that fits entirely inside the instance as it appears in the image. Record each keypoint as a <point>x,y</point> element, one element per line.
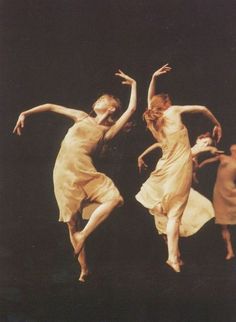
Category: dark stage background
<point>67,52</point>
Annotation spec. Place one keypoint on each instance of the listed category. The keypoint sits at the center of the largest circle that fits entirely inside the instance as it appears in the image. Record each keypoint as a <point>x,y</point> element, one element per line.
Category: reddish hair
<point>154,113</point>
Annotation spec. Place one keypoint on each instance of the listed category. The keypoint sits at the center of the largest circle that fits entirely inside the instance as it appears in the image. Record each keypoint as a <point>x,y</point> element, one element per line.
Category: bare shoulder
<point>80,115</point>
<point>224,157</point>
<point>174,109</point>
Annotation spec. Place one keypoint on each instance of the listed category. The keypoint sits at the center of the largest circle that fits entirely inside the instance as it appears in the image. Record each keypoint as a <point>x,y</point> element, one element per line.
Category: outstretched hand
<point>163,70</point>
<point>215,151</point>
<point>126,79</point>
<point>19,125</point>
<point>217,133</point>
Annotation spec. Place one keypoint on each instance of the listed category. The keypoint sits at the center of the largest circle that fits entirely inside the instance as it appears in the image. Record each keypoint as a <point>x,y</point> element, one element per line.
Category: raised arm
<point>141,163</point>
<point>151,90</point>
<point>68,112</point>
<point>130,109</point>
<point>217,131</point>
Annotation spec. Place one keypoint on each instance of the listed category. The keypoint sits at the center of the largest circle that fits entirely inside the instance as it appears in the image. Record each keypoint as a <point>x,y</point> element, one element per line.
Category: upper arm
<point>74,114</point>
<point>191,109</point>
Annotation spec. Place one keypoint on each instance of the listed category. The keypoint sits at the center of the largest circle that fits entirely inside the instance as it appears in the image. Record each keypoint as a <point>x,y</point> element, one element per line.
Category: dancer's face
<point>105,105</point>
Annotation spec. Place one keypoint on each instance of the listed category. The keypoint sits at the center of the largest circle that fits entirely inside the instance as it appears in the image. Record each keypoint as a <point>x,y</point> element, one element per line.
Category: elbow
<point>203,109</point>
<point>48,106</point>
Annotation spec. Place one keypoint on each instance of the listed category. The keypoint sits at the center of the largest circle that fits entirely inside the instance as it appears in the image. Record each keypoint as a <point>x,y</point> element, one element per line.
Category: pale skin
<point>225,232</point>
<point>195,153</point>
<point>174,116</point>
<point>143,165</point>
<point>103,110</point>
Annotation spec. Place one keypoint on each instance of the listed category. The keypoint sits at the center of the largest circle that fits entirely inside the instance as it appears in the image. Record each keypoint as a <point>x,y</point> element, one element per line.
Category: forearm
<point>151,148</point>
<point>38,109</point>
<point>210,116</point>
<point>133,98</point>
<point>151,89</point>
<point>126,115</point>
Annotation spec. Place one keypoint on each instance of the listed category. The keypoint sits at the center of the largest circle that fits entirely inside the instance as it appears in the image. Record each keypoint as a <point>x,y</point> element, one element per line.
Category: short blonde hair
<point>108,97</point>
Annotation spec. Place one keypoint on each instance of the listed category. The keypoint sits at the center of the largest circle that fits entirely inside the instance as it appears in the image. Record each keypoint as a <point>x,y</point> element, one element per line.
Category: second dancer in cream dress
<point>167,189</point>
<point>199,209</point>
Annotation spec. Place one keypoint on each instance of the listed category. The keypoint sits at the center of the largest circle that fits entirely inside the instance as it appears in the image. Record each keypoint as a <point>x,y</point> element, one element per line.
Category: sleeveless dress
<point>76,180</point>
<point>224,195</point>
<point>166,193</point>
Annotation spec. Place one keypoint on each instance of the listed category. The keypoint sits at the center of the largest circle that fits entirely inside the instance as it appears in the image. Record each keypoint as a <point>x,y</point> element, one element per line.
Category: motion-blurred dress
<point>166,193</point>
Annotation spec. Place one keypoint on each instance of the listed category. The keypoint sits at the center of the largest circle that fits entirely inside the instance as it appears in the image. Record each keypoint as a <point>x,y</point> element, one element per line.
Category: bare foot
<point>84,275</point>
<point>229,256</point>
<point>174,266</point>
<point>78,242</point>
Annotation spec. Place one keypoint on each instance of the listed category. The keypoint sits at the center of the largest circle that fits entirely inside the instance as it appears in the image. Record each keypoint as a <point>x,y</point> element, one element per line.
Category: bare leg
<point>97,217</point>
<point>181,263</point>
<point>227,239</point>
<point>73,227</point>
<point>84,266</point>
<point>172,231</point>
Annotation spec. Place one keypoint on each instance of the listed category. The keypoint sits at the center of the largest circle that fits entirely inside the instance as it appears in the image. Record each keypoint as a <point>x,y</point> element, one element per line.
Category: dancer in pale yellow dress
<point>77,183</point>
<point>167,189</point>
<point>224,195</point>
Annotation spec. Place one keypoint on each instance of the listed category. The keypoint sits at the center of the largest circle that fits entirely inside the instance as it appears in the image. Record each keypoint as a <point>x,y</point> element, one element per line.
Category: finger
<point>119,74</point>
<point>121,71</point>
<point>15,128</point>
<point>22,123</point>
